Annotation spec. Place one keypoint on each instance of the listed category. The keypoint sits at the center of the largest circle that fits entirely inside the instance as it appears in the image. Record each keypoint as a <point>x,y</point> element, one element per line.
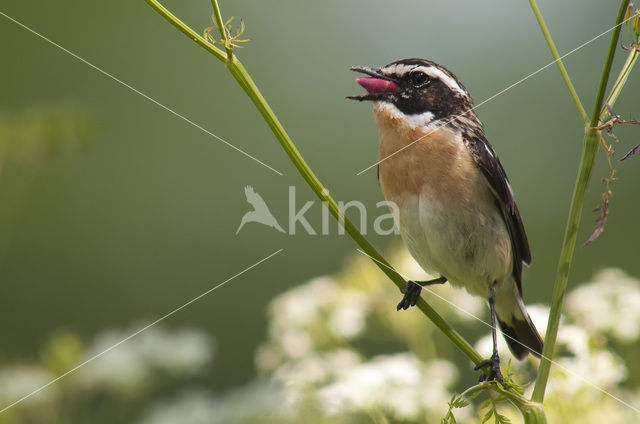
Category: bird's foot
<point>494,370</point>
<point>412,291</point>
<point>411,294</point>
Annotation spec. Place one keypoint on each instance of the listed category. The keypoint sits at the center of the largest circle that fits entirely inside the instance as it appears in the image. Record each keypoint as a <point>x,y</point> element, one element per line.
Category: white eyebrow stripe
<point>434,72</point>
<point>400,70</point>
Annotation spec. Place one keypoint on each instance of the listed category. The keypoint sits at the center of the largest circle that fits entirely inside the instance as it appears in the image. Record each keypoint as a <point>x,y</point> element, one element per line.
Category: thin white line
<point>517,341</point>
<point>493,97</point>
<point>168,109</point>
<point>137,332</point>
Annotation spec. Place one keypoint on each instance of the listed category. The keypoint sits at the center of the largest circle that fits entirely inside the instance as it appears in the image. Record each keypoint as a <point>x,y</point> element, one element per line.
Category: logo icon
<point>260,212</point>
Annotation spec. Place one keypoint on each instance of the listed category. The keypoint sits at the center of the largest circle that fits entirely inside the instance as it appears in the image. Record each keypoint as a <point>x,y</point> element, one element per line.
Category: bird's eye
<point>418,78</point>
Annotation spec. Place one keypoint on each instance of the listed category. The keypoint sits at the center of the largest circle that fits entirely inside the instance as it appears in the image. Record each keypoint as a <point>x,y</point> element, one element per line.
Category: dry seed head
<point>635,23</point>
<point>627,14</point>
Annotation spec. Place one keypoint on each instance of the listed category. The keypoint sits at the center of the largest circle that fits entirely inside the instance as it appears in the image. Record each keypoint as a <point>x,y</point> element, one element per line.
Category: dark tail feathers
<point>522,332</point>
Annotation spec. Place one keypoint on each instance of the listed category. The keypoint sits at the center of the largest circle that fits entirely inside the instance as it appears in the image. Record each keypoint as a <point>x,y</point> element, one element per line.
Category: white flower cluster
<point>588,370</point>
<point>255,402</point>
<point>609,305</point>
<point>19,381</point>
<point>120,369</point>
<point>311,350</point>
<point>598,349</point>
<point>315,328</point>
<point>310,316</point>
<point>400,384</point>
<point>337,351</point>
<point>155,351</point>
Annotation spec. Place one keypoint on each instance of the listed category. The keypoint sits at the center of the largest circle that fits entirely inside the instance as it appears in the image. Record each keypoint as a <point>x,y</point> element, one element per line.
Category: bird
<point>260,212</point>
<point>457,213</point>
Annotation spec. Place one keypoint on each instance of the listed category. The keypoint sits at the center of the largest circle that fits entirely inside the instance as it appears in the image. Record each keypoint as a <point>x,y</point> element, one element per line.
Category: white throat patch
<point>414,121</point>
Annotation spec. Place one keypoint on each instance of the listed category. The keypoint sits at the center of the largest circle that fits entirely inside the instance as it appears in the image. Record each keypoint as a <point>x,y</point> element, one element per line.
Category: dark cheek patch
<point>434,98</point>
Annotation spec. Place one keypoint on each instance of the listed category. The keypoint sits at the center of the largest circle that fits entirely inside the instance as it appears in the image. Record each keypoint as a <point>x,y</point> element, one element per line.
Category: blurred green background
<point>140,215</point>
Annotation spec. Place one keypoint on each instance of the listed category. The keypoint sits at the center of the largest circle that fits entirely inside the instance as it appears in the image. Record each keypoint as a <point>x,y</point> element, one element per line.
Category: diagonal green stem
<point>595,115</point>
<point>556,56</point>
<point>587,161</point>
<point>246,82</point>
<point>170,17</point>
<point>620,81</point>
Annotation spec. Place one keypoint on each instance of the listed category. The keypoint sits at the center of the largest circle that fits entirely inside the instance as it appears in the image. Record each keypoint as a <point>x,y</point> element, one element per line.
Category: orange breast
<point>437,165</point>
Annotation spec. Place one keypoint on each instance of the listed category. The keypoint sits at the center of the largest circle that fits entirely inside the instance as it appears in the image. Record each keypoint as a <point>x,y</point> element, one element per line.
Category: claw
<point>494,370</point>
<point>411,294</point>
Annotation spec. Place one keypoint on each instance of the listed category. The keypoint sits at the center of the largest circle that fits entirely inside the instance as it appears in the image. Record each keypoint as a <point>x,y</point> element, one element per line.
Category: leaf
<point>501,419</point>
<point>630,153</point>
<point>516,387</point>
<point>460,403</point>
<point>450,418</point>
<point>499,398</point>
<point>473,394</point>
<point>486,403</point>
<point>457,401</point>
<point>488,415</point>
<point>601,220</point>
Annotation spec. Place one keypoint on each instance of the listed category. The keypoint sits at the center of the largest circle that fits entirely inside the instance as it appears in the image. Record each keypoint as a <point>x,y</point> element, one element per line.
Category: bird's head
<point>417,88</point>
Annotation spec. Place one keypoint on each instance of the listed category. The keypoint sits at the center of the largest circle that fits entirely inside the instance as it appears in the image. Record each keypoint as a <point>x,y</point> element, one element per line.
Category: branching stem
<point>246,82</point>
<point>223,32</point>
<point>587,161</point>
<point>556,56</point>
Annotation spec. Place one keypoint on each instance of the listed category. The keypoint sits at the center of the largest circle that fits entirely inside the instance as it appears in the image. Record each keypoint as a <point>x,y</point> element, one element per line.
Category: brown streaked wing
<point>487,160</point>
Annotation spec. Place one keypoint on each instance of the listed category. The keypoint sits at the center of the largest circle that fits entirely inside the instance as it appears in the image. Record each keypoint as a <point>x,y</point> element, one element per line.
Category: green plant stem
<point>532,412</point>
<point>244,79</point>
<point>595,116</point>
<point>587,161</point>
<point>632,58</point>
<point>223,33</point>
<point>556,56</point>
<point>219,54</point>
<point>246,82</point>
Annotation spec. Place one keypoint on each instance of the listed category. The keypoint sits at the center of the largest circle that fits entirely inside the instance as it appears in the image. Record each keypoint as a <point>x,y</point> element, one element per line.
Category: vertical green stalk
<point>587,161</point>
<point>616,89</point>
<point>595,116</point>
<point>221,28</point>
<point>532,412</point>
<point>556,56</point>
<point>246,82</point>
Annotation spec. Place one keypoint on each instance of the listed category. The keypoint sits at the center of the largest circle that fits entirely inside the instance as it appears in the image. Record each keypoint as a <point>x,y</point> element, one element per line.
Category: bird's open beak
<point>376,84</point>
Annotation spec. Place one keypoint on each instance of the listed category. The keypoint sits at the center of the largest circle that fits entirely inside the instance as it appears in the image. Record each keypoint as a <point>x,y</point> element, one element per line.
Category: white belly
<point>469,246</point>
<point>447,214</point>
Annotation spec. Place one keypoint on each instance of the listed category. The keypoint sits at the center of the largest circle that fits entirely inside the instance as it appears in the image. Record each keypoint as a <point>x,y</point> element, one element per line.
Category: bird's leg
<point>412,291</point>
<point>494,361</point>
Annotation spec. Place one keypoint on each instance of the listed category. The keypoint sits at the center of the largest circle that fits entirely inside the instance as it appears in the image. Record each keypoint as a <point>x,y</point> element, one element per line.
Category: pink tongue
<point>376,85</point>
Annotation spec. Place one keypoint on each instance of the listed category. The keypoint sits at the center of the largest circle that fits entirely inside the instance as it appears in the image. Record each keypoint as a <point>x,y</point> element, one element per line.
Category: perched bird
<point>260,212</point>
<point>457,214</point>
